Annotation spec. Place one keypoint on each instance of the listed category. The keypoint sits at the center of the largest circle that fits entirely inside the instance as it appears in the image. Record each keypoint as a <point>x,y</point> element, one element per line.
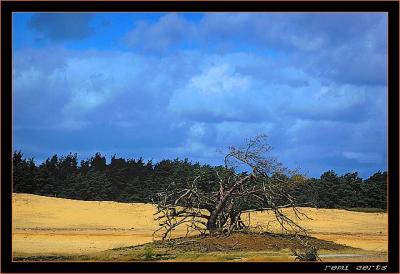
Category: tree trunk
<point>212,226</point>
<point>212,221</point>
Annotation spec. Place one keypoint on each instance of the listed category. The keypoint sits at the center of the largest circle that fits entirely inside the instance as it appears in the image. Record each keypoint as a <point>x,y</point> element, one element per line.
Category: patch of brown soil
<point>246,242</point>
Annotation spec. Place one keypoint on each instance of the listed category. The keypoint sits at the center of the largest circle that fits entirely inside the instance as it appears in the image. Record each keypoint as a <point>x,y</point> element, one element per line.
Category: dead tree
<point>250,181</point>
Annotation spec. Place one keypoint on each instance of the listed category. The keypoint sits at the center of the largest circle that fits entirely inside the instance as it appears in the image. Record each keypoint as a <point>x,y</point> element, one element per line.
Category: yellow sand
<point>45,225</point>
<point>357,229</point>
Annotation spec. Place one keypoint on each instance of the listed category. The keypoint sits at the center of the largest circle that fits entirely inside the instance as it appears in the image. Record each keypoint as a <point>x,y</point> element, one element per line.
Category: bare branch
<point>232,193</point>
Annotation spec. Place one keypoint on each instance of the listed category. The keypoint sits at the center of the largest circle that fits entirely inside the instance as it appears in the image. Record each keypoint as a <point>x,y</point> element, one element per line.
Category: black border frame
<point>7,7</point>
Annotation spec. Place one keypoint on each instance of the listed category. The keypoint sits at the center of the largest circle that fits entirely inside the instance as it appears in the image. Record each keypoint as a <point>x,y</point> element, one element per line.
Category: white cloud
<point>220,78</point>
<point>361,157</point>
<point>169,31</point>
<point>198,130</point>
<point>94,80</point>
<point>25,80</point>
<point>307,43</point>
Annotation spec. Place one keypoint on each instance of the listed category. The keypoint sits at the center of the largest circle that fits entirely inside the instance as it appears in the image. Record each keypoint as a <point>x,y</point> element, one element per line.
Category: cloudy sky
<point>167,85</point>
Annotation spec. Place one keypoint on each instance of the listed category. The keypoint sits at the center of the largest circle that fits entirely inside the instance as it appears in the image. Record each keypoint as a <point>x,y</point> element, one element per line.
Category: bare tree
<point>250,181</point>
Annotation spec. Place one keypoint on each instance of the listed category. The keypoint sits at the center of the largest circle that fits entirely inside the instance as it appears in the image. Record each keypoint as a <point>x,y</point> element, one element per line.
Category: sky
<point>188,85</point>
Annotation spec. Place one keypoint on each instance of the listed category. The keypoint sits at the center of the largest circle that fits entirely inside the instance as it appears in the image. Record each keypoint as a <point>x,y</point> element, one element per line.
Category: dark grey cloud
<point>62,26</point>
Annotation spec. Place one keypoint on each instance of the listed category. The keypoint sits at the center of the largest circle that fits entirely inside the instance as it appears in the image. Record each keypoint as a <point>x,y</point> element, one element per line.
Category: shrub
<point>149,253</point>
<point>307,254</point>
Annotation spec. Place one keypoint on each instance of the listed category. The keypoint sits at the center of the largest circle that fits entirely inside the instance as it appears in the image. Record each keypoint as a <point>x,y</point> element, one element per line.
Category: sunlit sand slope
<point>45,225</point>
<point>357,229</point>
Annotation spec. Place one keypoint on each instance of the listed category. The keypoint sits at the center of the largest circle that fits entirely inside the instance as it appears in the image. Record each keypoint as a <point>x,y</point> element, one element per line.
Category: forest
<point>137,180</point>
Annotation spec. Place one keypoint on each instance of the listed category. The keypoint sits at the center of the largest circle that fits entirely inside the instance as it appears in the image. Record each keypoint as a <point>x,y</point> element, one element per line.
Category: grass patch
<point>146,252</point>
<point>236,247</point>
<point>26,257</point>
<point>46,258</point>
<point>159,252</point>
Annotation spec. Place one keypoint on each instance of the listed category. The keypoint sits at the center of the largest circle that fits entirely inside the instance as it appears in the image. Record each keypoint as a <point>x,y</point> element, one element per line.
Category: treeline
<point>136,180</point>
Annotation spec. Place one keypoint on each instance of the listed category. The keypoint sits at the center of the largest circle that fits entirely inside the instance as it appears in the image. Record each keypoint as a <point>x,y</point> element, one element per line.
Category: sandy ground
<point>368,231</point>
<point>44,225</point>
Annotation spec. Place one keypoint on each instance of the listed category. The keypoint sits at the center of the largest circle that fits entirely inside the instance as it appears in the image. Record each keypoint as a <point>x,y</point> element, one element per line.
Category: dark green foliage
<point>346,191</point>
<point>134,180</point>
<point>374,188</point>
<point>24,172</point>
<point>98,163</point>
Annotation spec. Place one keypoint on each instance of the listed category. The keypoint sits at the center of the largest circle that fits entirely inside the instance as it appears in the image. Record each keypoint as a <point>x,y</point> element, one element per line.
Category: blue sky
<point>167,85</point>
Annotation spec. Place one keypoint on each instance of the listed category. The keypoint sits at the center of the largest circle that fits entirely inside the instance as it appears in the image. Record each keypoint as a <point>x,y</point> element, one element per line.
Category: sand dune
<point>46,225</point>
